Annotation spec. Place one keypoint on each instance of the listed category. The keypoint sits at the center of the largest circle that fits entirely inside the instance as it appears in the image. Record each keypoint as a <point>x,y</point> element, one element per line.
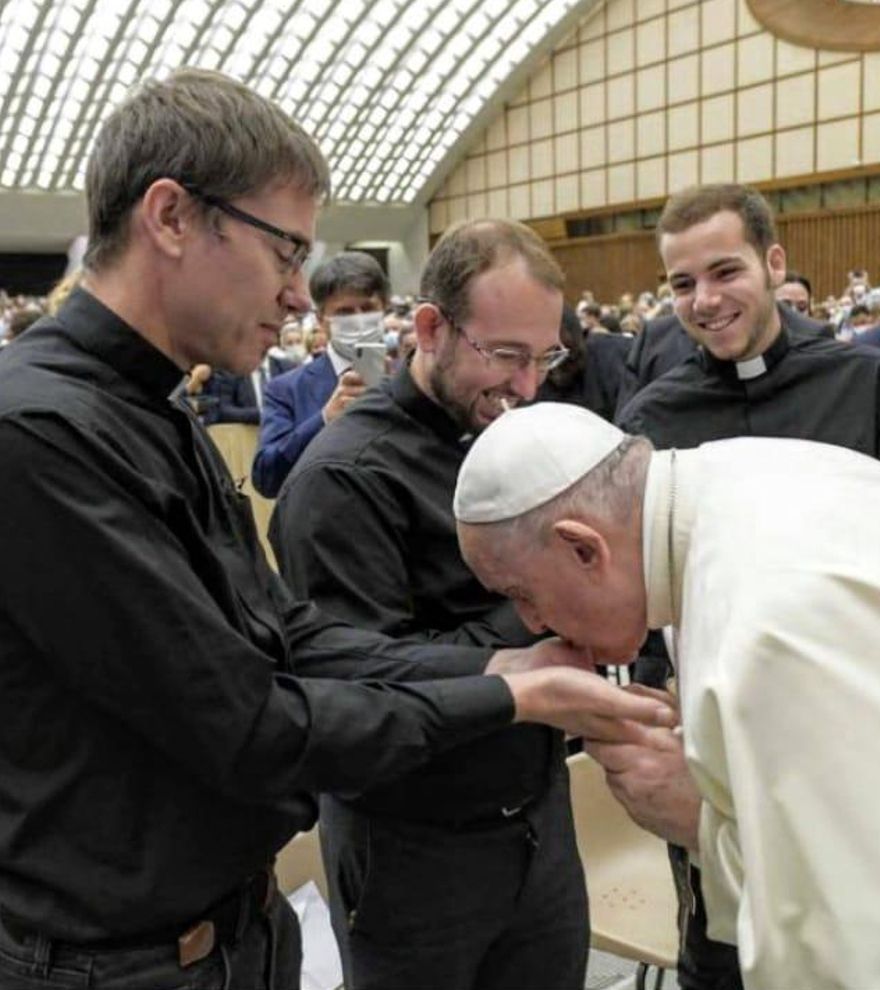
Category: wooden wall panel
<point>825,246</point>
<point>609,266</point>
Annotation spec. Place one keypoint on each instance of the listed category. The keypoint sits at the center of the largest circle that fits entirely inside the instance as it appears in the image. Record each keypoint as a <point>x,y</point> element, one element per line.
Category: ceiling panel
<point>386,87</point>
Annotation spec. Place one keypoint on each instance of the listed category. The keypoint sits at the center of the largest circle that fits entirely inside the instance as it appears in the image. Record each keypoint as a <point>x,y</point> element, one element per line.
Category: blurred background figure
<point>20,318</point>
<point>591,374</point>
<point>292,341</point>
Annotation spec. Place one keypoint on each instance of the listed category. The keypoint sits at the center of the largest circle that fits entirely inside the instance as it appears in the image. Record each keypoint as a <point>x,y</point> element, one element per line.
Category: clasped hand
<point>555,683</point>
<point>633,732</point>
<point>650,778</point>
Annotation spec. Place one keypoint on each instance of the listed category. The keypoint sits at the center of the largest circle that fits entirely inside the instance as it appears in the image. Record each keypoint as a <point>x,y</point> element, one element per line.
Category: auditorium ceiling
<point>391,89</point>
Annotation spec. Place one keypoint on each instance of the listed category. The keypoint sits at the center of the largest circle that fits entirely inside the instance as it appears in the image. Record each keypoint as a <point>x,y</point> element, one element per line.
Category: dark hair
<point>349,271</point>
<point>474,247</point>
<point>793,276</point>
<point>201,129</point>
<point>859,310</point>
<point>700,203</point>
<point>571,335</point>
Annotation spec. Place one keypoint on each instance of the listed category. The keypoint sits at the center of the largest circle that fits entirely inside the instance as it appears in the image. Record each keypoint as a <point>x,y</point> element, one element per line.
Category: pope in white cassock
<point>763,556</point>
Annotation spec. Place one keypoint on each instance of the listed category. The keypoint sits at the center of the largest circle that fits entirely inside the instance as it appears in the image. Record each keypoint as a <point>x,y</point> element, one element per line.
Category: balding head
<point>549,509</point>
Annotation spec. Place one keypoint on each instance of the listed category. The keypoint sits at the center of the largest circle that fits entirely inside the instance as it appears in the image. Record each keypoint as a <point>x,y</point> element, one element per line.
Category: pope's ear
<point>428,323</point>
<point>584,541</point>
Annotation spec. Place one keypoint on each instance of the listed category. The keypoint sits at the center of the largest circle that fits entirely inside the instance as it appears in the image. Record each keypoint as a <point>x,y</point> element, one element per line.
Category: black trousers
<point>267,956</point>
<point>703,964</point>
<point>502,906</point>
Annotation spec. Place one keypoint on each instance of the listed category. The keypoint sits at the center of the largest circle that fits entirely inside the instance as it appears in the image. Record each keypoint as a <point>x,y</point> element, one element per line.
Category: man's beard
<point>457,411</point>
<point>762,331</point>
<point>441,380</point>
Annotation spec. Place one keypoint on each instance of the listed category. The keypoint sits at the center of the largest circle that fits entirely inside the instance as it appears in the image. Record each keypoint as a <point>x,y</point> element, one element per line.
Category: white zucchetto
<point>527,457</point>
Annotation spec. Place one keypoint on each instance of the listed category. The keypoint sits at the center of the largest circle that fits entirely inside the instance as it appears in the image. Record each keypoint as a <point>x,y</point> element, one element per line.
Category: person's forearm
<point>325,647</point>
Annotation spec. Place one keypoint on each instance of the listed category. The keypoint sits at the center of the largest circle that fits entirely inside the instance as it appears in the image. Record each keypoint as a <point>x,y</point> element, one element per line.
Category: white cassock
<point>770,576</point>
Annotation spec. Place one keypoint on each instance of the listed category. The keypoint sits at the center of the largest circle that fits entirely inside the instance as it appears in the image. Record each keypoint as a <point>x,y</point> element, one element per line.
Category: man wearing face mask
<point>350,293</point>
<point>464,875</point>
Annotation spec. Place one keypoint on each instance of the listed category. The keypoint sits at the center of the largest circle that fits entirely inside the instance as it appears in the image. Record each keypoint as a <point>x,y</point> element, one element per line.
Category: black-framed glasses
<point>291,262</point>
<point>510,359</point>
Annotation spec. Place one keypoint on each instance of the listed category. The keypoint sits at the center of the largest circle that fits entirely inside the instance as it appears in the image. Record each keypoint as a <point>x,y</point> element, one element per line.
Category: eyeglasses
<point>290,262</point>
<point>511,359</point>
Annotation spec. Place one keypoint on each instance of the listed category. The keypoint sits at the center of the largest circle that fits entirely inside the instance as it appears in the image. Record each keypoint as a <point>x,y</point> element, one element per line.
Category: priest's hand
<point>585,704</point>
<point>651,780</point>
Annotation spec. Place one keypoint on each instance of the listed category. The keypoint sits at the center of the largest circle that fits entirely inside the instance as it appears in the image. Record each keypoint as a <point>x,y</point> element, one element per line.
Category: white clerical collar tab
<point>752,368</point>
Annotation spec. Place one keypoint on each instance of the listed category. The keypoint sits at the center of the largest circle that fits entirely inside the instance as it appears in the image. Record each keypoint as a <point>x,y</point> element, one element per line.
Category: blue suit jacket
<point>292,405</point>
<point>869,337</point>
<point>229,398</point>
<point>232,399</point>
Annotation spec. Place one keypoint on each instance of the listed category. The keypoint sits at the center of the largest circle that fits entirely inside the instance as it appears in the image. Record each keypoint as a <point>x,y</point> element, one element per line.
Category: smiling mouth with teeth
<point>719,324</point>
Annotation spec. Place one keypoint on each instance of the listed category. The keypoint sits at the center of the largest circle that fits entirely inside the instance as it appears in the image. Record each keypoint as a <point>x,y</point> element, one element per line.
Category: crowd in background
<point>848,316</point>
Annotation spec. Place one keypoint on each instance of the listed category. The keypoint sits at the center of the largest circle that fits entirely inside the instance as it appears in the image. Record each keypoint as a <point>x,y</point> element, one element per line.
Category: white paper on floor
<point>321,965</point>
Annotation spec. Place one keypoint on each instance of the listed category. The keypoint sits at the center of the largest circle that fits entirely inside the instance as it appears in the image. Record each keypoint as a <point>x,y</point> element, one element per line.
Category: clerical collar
<point>753,367</point>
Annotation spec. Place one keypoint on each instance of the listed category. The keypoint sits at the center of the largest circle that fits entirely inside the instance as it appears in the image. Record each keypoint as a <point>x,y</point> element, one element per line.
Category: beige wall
<point>647,96</point>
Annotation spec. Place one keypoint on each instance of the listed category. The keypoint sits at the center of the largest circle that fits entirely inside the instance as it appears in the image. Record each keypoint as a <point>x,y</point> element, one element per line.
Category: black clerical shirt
<point>155,748</point>
<point>804,386</point>
<point>364,526</point>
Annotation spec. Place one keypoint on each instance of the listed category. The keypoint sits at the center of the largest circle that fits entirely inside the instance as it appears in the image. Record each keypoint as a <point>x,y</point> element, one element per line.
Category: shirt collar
<point>655,540</point>
<point>754,367</point>
<point>672,494</point>
<point>339,363</point>
<point>100,332</point>
<point>424,409</point>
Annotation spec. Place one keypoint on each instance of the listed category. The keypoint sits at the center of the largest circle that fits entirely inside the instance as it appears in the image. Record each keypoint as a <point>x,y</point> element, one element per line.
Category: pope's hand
<point>651,780</point>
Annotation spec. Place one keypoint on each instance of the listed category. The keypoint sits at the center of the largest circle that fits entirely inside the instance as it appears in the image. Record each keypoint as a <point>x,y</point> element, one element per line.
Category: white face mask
<point>296,352</point>
<point>360,339</point>
<point>356,328</point>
